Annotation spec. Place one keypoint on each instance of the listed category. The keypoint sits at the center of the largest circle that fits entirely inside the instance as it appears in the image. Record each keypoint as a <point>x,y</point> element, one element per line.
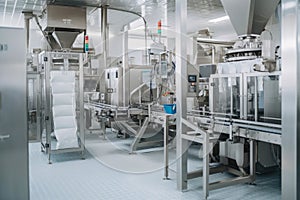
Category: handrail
<point>138,89</point>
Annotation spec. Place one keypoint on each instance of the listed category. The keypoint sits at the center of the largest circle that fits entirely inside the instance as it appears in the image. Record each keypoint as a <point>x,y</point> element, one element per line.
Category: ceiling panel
<point>199,12</point>
<point>11,10</point>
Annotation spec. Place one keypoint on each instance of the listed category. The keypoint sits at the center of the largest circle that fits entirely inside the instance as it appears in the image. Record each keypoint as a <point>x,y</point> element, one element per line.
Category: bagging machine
<point>56,81</point>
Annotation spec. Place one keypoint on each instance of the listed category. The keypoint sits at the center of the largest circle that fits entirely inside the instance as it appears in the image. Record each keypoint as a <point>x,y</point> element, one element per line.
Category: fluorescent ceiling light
<point>219,19</point>
<point>4,12</point>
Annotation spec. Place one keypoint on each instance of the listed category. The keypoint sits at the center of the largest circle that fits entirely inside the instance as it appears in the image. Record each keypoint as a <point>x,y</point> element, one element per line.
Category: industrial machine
<point>239,123</point>
<point>150,87</point>
<point>233,106</point>
<point>55,81</point>
<point>62,102</point>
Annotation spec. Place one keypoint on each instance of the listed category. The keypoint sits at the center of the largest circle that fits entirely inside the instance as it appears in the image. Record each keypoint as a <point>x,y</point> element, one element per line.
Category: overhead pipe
<point>43,32</point>
<point>145,25</point>
<point>134,13</point>
<point>27,18</point>
<point>215,42</point>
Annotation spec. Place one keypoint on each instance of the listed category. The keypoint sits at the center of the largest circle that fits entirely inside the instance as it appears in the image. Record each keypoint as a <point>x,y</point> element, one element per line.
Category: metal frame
<point>219,76</point>
<point>48,102</point>
<point>139,136</point>
<point>252,130</point>
<point>207,139</point>
<point>264,132</point>
<point>37,77</point>
<point>245,82</point>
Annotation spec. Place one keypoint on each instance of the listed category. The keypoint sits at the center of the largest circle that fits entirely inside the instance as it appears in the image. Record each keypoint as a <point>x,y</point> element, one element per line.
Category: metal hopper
<point>249,16</point>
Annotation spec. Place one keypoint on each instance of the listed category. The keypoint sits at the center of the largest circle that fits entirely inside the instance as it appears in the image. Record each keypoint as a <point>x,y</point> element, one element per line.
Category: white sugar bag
<point>65,122</point>
<point>63,110</point>
<point>63,99</point>
<point>61,88</point>
<point>62,76</point>
<point>66,138</point>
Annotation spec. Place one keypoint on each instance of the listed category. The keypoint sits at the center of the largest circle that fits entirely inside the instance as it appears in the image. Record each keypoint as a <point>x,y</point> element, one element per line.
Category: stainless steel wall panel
<point>290,99</point>
<point>13,118</point>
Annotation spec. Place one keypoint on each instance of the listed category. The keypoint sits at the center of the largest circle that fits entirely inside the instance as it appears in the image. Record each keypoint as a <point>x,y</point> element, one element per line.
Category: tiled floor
<point>109,172</point>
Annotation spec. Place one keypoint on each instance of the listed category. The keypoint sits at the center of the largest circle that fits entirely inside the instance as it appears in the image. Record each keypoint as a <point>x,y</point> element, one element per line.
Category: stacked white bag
<point>64,108</point>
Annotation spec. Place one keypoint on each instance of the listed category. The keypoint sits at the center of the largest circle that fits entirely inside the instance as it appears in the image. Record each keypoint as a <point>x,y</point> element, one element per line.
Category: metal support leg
<point>181,156</point>
<point>255,100</point>
<point>49,158</point>
<point>166,153</point>
<point>139,136</point>
<point>253,152</point>
<point>103,128</point>
<point>205,165</point>
<point>83,154</point>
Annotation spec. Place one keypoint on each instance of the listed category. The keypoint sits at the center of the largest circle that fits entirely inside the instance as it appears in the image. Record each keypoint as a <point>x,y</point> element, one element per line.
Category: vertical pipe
<point>166,154</point>
<point>206,165</point>
<point>230,132</point>
<point>140,96</point>
<point>125,67</point>
<point>213,51</point>
<point>255,100</point>
<point>38,107</point>
<point>104,36</point>
<point>211,96</point>
<point>253,159</point>
<point>181,91</point>
<point>231,99</point>
<point>84,34</point>
<point>27,30</point>
<point>245,97</point>
<point>81,103</point>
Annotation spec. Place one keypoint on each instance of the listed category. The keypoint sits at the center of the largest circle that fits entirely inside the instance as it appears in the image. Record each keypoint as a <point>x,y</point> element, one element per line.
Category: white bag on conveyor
<point>66,138</point>
<point>63,99</point>
<point>62,77</point>
<point>64,108</point>
<point>65,122</point>
<point>63,88</point>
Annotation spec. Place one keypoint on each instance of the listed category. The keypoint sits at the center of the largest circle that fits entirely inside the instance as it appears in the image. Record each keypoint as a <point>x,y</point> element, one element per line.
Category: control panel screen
<point>192,78</point>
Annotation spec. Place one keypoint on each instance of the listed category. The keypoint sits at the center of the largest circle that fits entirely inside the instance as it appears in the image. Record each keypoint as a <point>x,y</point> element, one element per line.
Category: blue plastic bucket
<point>170,108</point>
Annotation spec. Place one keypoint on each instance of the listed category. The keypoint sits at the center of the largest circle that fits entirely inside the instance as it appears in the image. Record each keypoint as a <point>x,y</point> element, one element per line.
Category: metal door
<point>14,178</point>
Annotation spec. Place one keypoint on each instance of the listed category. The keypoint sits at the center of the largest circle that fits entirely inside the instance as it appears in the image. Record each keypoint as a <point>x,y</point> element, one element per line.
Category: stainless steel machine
<point>240,129</point>
<point>62,102</point>
<point>34,97</point>
<point>149,88</point>
<point>55,81</point>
